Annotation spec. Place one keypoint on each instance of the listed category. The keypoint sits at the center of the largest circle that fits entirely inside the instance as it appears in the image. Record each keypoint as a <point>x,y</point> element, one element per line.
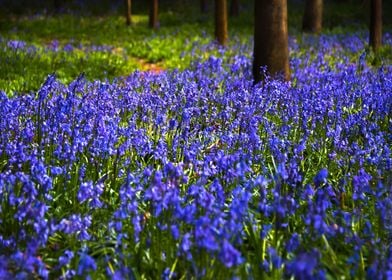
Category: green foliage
<point>24,69</point>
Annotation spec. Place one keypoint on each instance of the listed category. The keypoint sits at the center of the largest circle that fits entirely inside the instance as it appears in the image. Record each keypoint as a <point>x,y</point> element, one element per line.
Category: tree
<point>57,5</point>
<point>271,39</point>
<point>128,12</point>
<point>313,16</point>
<point>203,6</point>
<point>153,19</point>
<point>221,21</point>
<point>375,28</point>
<point>234,8</point>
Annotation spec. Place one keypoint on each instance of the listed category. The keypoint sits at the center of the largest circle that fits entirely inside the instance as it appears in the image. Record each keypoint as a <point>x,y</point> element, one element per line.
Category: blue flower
<point>321,178</point>
<point>303,266</point>
<point>86,264</point>
<point>66,258</point>
<point>186,245</point>
<point>229,255</point>
<point>293,243</point>
<point>275,258</point>
<point>175,231</point>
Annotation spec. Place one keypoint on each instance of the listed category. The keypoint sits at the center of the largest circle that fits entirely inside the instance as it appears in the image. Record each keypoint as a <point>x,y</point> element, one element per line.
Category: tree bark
<point>271,39</point>
<point>234,8</point>
<point>221,34</point>
<point>203,6</point>
<point>153,19</point>
<point>375,28</point>
<point>57,6</point>
<point>128,12</point>
<point>313,16</point>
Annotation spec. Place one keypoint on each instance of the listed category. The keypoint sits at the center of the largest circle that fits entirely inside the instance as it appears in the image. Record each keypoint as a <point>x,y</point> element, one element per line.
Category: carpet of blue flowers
<point>200,174</point>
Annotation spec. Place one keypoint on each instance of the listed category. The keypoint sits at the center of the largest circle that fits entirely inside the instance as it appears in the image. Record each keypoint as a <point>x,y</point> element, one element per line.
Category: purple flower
<point>90,192</point>
<point>66,258</point>
<point>16,45</point>
<point>321,178</point>
<point>303,266</point>
<point>186,243</point>
<point>76,224</point>
<point>86,264</point>
<point>275,259</point>
<point>282,171</point>
<point>229,255</point>
<point>175,231</point>
<point>293,243</point>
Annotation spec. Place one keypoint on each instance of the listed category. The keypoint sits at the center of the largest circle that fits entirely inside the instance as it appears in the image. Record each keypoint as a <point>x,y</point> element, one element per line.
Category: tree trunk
<point>153,19</point>
<point>128,12</point>
<point>271,39</point>
<point>221,21</point>
<point>375,34</point>
<point>57,6</point>
<point>234,8</point>
<point>203,6</point>
<point>313,16</point>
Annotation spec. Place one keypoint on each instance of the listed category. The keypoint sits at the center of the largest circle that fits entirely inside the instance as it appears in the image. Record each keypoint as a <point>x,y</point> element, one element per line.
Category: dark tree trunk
<point>128,12</point>
<point>221,21</point>
<point>203,6</point>
<point>271,39</point>
<point>234,8</point>
<point>57,5</point>
<point>375,34</point>
<point>313,16</point>
<point>153,19</point>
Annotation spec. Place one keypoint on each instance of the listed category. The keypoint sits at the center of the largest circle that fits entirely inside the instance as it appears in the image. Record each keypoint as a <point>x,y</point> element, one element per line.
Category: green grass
<point>23,71</point>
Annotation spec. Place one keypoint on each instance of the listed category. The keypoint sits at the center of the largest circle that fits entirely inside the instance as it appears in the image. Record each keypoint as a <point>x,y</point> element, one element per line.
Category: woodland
<point>195,139</point>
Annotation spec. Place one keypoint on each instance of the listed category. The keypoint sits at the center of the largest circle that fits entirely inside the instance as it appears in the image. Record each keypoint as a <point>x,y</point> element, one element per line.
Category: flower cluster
<point>201,173</point>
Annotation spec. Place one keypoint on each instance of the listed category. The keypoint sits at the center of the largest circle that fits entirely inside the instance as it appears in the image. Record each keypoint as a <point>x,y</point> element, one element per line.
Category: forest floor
<point>131,153</point>
<point>103,47</point>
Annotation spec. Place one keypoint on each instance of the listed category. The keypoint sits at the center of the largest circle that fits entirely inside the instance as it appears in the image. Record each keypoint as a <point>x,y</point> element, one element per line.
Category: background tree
<point>203,6</point>
<point>128,12</point>
<point>271,38</point>
<point>57,5</point>
<point>375,28</point>
<point>313,16</point>
<point>153,19</point>
<point>221,21</point>
<point>234,8</point>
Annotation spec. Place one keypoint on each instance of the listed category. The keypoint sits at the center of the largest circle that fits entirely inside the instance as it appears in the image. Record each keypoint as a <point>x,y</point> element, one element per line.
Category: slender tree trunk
<point>128,12</point>
<point>221,21</point>
<point>153,19</point>
<point>203,6</point>
<point>375,34</point>
<point>271,39</point>
<point>313,16</point>
<point>57,5</point>
<point>234,8</point>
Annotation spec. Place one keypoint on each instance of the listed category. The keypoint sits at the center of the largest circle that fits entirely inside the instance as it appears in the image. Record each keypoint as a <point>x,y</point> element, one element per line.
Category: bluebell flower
<point>86,264</point>
<point>265,230</point>
<point>275,258</point>
<point>303,266</point>
<point>175,231</point>
<point>90,192</point>
<point>229,255</point>
<point>66,258</point>
<point>321,177</point>
<point>194,148</point>
<point>4,270</point>
<point>293,243</point>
